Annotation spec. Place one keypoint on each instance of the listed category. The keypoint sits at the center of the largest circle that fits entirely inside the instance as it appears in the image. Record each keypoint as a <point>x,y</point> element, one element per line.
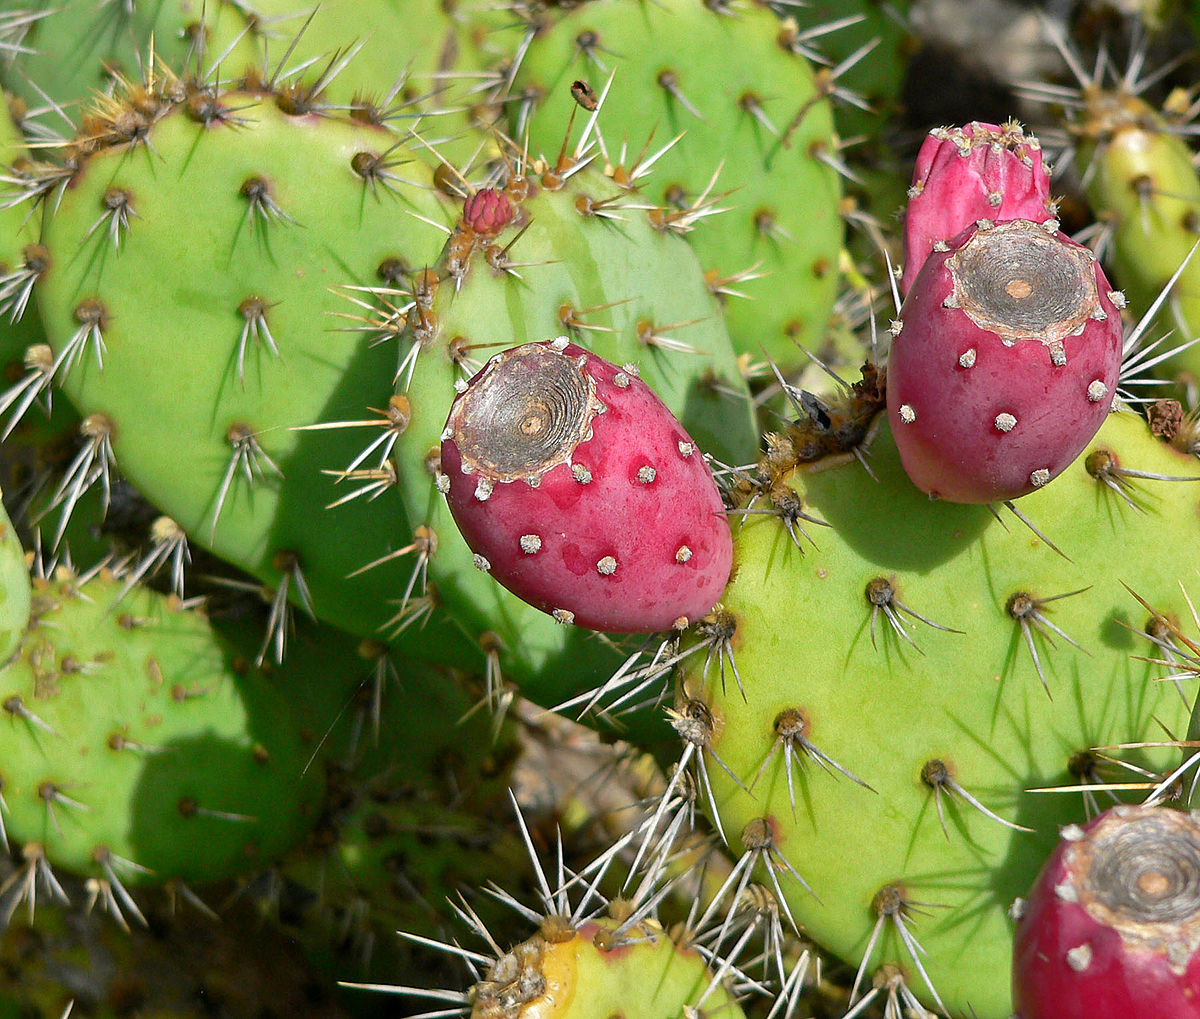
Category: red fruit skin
<point>944,413</point>
<point>669,536</point>
<point>1124,978</point>
<point>965,174</point>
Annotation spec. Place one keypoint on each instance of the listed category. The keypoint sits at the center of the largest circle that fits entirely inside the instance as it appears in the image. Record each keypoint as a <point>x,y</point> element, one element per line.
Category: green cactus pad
<point>14,589</point>
<point>214,303</point>
<point>137,746</point>
<point>745,104</point>
<point>887,676</point>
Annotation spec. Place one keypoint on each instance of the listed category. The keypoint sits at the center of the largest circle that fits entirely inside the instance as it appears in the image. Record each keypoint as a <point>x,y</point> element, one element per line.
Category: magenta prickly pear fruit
<point>965,174</point>
<point>1004,361</point>
<point>1111,929</point>
<point>580,492</point>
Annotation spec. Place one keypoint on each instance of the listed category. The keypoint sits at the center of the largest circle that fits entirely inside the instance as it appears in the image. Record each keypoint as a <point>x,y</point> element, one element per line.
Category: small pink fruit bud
<point>487,212</point>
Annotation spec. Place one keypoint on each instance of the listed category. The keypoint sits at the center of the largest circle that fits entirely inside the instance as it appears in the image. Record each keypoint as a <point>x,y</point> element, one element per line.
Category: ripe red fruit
<point>1111,929</point>
<point>1004,362</point>
<point>581,493</point>
<point>965,174</point>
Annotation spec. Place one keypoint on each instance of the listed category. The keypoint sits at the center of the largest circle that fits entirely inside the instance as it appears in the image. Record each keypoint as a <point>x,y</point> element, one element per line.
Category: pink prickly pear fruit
<point>965,174</point>
<point>579,491</point>
<point>1004,361</point>
<point>1111,929</point>
<point>487,212</point>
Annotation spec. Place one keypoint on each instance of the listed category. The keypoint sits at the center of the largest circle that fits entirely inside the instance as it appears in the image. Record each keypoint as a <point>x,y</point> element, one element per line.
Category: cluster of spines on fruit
<point>442,246</point>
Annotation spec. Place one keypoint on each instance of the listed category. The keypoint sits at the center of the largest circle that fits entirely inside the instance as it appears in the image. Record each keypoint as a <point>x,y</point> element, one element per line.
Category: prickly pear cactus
<point>944,670</point>
<point>14,589</point>
<point>738,128</point>
<point>138,746</point>
<point>573,258</point>
<point>260,251</point>
<point>247,348</point>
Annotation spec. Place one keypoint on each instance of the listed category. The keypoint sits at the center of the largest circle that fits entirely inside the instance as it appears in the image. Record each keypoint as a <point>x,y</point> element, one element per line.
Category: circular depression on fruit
<point>524,414</point>
<point>1020,282</point>
<point>1142,871</point>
